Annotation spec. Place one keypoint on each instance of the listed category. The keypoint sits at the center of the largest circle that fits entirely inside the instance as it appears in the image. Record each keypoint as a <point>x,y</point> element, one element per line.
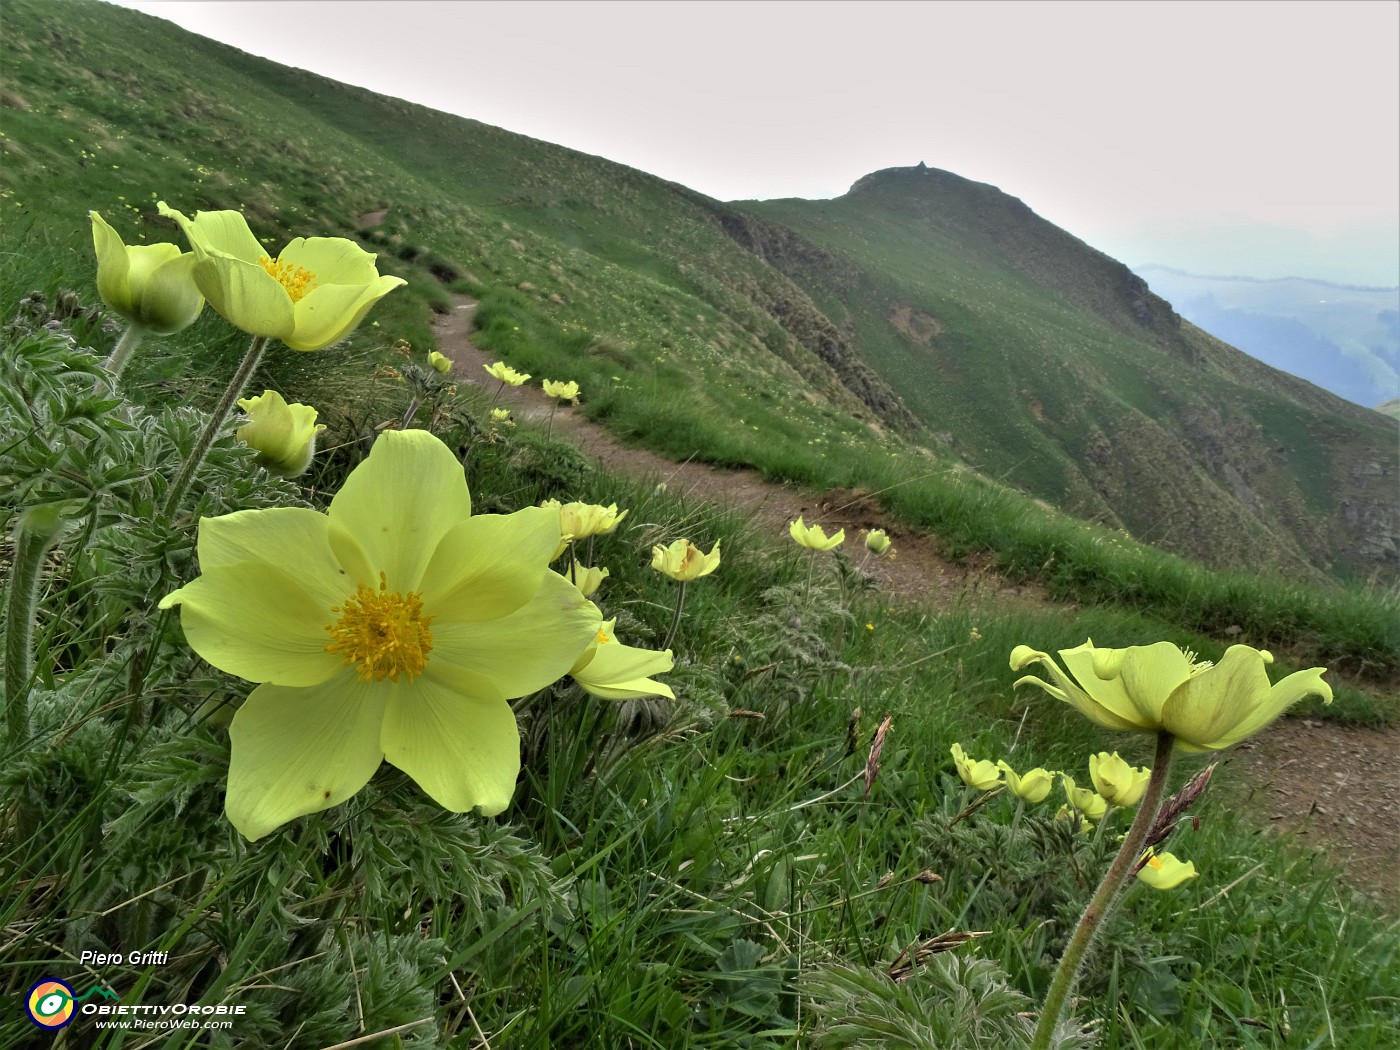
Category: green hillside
<point>366,755</point>
<point>1051,370</point>
<point>1053,367</point>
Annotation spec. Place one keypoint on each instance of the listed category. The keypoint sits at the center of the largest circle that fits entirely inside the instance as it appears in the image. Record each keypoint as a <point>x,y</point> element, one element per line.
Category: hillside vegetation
<point>778,842</point>
<point>1054,370</point>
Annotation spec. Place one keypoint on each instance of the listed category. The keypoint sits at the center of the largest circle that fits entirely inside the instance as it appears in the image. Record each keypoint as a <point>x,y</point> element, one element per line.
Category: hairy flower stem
<point>675,618</point>
<point>1105,896</point>
<point>191,466</point>
<point>30,547</point>
<point>550,429</point>
<point>121,353</point>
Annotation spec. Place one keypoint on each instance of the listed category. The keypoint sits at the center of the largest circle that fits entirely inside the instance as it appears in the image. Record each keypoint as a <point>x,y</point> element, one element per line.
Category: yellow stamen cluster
<point>296,280</point>
<point>1154,863</point>
<point>383,633</point>
<point>603,638</point>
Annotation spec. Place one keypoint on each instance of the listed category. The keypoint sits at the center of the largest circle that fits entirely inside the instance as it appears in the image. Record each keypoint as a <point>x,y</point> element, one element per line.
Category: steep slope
<point>920,308</point>
<point>1054,367</point>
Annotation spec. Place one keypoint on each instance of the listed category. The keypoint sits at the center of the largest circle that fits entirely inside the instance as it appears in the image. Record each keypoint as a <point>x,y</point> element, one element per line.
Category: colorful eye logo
<point>50,1004</point>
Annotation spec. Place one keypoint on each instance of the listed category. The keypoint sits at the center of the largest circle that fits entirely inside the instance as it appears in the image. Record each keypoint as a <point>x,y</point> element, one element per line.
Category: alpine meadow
<point>352,697</point>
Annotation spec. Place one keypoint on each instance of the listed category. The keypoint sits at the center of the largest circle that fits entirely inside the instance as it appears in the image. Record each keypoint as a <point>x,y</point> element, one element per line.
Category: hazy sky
<point>1160,132</point>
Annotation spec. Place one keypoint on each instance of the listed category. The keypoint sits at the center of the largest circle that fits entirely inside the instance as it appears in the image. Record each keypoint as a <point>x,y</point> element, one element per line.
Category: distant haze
<point>1252,138</point>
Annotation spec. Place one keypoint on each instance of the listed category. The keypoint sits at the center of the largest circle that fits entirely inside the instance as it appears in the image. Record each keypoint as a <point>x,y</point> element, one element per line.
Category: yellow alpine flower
<point>587,578</point>
<point>813,537</point>
<point>395,627</point>
<point>610,670</point>
<point>1161,687</point>
<point>311,294</point>
<point>1032,785</point>
<point>150,285</point>
<point>978,773</point>
<point>502,371</point>
<point>1119,783</point>
<point>440,362</point>
<point>1162,871</point>
<point>578,521</point>
<point>684,561</point>
<point>283,435</point>
<point>1091,804</point>
<point>876,542</point>
<point>561,390</point>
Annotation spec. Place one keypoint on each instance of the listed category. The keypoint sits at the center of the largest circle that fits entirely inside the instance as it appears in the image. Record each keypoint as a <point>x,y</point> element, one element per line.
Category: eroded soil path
<point>1337,787</point>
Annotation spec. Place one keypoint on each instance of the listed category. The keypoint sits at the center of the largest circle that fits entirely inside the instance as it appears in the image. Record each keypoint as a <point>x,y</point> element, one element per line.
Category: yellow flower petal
<point>1107,693</point>
<point>527,650</point>
<point>221,232</point>
<point>1149,673</point>
<point>333,260</point>
<point>469,580</point>
<point>292,539</point>
<point>610,670</point>
<point>246,295</point>
<point>396,507</point>
<point>1163,871</point>
<point>460,748</point>
<point>257,622</point>
<point>1066,689</point>
<point>299,751</point>
<point>331,312</point>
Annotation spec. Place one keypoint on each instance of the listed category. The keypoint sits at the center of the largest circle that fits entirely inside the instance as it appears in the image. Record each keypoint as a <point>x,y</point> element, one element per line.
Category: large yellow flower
<point>1160,687</point>
<point>502,371</point>
<point>311,294</point>
<point>283,435</point>
<point>151,285</point>
<point>394,627</point>
<point>814,537</point>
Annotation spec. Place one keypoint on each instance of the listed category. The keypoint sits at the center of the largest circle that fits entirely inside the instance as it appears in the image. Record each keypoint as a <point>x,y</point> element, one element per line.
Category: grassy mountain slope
<point>1050,365</point>
<point>681,334</point>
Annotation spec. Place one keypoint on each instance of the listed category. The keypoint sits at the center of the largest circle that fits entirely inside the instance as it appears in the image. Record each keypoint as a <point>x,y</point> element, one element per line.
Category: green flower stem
<point>191,466</point>
<point>121,353</point>
<point>550,429</point>
<point>675,617</point>
<point>30,548</point>
<point>1105,896</point>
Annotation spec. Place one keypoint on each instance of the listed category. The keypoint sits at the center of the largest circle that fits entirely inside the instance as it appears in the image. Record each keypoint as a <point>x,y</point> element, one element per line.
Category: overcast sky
<point>1160,132</point>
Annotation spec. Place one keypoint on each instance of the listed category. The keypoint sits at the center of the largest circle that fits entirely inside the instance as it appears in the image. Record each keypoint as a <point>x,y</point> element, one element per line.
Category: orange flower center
<point>383,633</point>
<point>291,277</point>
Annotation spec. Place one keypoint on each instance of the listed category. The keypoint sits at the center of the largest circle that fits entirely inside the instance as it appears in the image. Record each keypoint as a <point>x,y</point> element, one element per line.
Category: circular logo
<point>50,1003</point>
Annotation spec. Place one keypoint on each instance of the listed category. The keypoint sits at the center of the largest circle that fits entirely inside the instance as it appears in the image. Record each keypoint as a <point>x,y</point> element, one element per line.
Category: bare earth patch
<point>1337,787</point>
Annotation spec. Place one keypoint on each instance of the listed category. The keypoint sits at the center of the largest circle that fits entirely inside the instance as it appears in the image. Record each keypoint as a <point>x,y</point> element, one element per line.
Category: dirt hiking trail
<point>1336,786</point>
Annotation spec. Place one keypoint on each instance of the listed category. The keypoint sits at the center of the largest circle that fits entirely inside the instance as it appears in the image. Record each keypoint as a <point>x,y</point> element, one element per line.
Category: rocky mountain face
<point>1055,367</point>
